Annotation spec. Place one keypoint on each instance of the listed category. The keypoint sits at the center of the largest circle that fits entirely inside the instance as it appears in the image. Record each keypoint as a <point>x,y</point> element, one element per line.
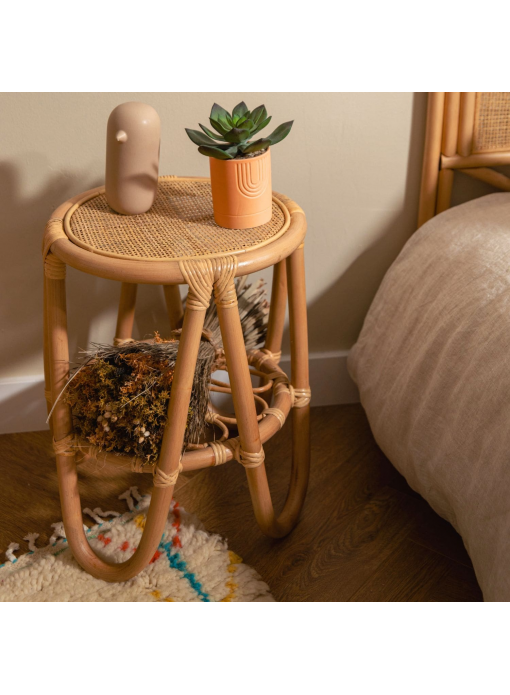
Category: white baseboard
<point>23,407</point>
<point>22,404</point>
<point>329,379</point>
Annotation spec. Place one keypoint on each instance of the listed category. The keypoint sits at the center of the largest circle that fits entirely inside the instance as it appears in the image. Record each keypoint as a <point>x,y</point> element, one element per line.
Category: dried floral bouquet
<point>119,396</point>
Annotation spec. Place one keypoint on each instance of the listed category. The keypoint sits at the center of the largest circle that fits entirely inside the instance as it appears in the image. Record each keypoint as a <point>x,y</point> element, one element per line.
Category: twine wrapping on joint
<point>224,289</point>
<point>279,415</point>
<point>214,419</point>
<point>202,274</point>
<point>247,459</point>
<point>54,269</point>
<point>54,230</point>
<point>280,382</point>
<point>219,451</point>
<point>268,355</point>
<point>122,341</point>
<point>300,397</point>
<point>199,275</point>
<point>162,479</point>
<point>65,446</point>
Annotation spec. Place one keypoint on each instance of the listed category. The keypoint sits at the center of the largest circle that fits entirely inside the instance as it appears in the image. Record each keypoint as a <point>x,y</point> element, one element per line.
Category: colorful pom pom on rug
<point>189,564</point>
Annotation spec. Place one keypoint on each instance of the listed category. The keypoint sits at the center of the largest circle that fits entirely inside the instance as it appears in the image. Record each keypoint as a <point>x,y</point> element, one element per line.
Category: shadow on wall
<point>92,302</point>
<point>22,226</point>
<point>363,277</point>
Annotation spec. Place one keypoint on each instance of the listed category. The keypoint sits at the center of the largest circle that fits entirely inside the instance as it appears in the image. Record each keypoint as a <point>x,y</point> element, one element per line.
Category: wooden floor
<point>364,535</point>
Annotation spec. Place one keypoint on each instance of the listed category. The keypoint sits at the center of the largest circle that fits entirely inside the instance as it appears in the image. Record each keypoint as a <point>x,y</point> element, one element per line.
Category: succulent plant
<point>234,132</point>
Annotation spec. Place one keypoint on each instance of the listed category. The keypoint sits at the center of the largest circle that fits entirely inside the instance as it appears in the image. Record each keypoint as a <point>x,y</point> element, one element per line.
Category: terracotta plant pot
<point>241,191</point>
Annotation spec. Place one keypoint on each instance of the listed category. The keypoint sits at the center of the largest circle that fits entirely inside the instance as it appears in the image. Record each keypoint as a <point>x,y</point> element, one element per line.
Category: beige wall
<point>352,162</point>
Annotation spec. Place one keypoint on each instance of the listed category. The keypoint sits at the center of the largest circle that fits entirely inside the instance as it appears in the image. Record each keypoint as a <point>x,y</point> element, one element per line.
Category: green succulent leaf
<point>214,152</point>
<point>199,138</point>
<point>259,114</point>
<point>255,146</point>
<point>218,127</point>
<point>261,125</point>
<point>208,132</point>
<point>237,135</point>
<point>240,110</point>
<point>221,115</point>
<point>227,147</point>
<point>248,124</point>
<point>280,133</point>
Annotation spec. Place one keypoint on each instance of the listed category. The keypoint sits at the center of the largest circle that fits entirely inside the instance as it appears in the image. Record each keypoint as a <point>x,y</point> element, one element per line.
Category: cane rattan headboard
<point>467,132</point>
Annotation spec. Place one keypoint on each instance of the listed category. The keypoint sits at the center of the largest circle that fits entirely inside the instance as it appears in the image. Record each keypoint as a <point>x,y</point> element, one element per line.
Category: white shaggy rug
<point>189,565</point>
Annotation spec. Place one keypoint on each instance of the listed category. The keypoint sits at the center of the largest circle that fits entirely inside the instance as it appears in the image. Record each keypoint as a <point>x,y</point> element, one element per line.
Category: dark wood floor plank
<point>363,534</point>
<point>407,574</point>
<point>458,585</point>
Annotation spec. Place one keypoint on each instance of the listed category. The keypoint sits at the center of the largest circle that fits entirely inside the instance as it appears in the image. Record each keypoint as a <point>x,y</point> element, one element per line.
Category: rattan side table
<point>177,242</point>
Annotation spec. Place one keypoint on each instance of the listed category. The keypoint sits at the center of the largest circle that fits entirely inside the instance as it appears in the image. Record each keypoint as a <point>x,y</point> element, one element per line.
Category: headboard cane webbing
<point>492,122</point>
<point>467,132</point>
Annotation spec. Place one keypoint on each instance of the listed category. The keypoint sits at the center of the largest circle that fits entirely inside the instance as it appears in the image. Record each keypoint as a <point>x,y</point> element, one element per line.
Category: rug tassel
<point>98,515</point>
<point>134,491</point>
<point>9,553</point>
<point>31,538</point>
<point>60,532</point>
<point>129,500</point>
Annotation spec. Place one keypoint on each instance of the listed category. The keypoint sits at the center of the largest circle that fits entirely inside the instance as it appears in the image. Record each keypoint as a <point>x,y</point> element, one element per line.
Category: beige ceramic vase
<point>132,157</point>
<point>241,191</point>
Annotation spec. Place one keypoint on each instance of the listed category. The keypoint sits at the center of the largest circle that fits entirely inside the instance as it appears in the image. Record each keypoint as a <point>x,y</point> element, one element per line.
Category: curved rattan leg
<point>173,305</point>
<point>277,310</point>
<point>250,445</point>
<point>170,450</point>
<point>126,313</point>
<point>46,352</point>
<point>276,321</point>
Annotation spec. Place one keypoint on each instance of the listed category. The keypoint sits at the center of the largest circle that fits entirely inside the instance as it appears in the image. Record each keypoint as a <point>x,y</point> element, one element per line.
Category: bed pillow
<point>432,364</point>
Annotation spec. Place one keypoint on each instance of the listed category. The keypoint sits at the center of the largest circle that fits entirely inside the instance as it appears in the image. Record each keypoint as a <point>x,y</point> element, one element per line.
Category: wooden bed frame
<point>467,132</point>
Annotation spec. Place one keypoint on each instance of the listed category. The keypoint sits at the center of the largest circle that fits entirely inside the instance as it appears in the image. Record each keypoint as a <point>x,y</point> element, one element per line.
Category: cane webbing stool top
<point>180,225</point>
<point>85,234</point>
<point>178,242</point>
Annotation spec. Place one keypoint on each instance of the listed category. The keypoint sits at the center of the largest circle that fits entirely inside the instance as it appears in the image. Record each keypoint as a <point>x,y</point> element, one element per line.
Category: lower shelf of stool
<point>205,456</point>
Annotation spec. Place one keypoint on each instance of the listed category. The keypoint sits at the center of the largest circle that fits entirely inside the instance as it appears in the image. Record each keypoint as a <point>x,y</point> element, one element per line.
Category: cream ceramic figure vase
<point>132,157</point>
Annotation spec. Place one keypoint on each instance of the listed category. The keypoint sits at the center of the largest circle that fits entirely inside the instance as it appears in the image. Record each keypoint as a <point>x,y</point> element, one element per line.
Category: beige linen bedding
<point>433,368</point>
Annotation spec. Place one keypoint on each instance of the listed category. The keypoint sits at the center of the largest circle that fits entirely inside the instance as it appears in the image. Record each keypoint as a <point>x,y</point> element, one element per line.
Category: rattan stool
<point>177,242</point>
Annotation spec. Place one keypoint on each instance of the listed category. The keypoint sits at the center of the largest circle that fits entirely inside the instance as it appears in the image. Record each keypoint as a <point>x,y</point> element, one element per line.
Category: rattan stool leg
<point>47,371</point>
<point>277,310</point>
<point>244,406</point>
<point>62,424</point>
<point>173,305</point>
<point>126,315</point>
<point>276,321</point>
<point>299,379</point>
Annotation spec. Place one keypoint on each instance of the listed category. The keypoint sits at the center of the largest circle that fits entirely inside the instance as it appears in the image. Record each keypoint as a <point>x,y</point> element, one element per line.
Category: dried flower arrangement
<point>119,395</point>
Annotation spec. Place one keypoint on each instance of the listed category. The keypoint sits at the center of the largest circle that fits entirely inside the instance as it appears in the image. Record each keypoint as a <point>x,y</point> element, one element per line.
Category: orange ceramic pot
<point>241,191</point>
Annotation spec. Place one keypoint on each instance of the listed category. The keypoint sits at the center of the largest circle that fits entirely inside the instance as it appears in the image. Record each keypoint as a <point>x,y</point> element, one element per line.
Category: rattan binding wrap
<point>492,122</point>
<point>179,226</point>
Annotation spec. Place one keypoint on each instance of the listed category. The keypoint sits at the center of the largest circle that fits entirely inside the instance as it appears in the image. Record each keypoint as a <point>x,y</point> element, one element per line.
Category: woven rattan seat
<point>180,225</point>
